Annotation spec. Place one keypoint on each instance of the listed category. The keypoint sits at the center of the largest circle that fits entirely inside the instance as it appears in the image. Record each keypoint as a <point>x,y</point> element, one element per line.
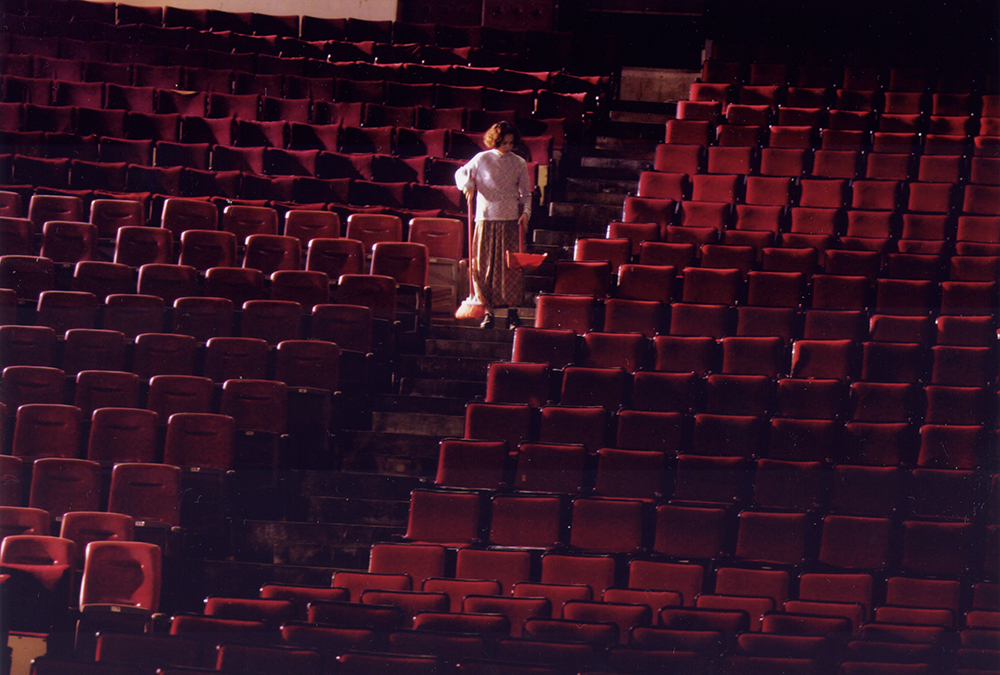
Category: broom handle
<point>472,217</point>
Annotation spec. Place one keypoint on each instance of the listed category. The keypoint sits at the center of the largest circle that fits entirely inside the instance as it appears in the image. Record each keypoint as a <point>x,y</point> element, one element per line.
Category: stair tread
<point>356,484</point>
<point>415,404</point>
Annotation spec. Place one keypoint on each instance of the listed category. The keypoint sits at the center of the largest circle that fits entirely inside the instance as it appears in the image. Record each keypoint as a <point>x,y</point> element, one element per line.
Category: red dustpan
<point>519,260</point>
<point>524,261</point>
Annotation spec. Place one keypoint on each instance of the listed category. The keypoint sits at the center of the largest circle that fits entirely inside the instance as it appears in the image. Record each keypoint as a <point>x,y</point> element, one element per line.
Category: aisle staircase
<point>332,517</point>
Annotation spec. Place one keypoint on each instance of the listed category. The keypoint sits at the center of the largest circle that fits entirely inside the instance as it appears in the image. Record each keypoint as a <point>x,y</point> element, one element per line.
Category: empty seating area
<point>753,400</point>
<point>752,429</point>
<point>206,104</point>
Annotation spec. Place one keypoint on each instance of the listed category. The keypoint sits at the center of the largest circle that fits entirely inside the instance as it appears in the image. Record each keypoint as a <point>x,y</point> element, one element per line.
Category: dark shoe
<point>487,321</point>
<point>513,320</point>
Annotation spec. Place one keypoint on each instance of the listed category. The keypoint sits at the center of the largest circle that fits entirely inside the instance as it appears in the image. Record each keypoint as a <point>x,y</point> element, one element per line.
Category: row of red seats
<point>144,493</point>
<point>190,141</point>
<point>897,78</point>
<point>677,363</point>
<point>40,571</point>
<point>891,158</point>
<point>344,196</point>
<point>389,563</point>
<point>398,154</point>
<point>766,356</point>
<point>112,435</point>
<point>921,252</point>
<point>251,23</point>
<point>290,314</point>
<point>846,130</point>
<point>201,249</point>
<point>268,34</point>
<point>712,299</point>
<point>209,51</point>
<point>874,424</point>
<point>655,317</point>
<point>282,123</point>
<point>805,164</point>
<point>199,289</point>
<point>469,644</point>
<point>206,462</point>
<point>922,245</point>
<point>672,394</point>
<point>400,570</point>
<point>906,599</point>
<point>48,105</point>
<point>819,210</point>
<point>790,477</point>
<point>805,106</point>
<point>606,526</point>
<point>866,237</point>
<point>802,125</point>
<point>301,363</point>
<point>650,318</point>
<point>478,645</point>
<point>175,216</point>
<point>152,297</point>
<point>36,399</point>
<point>166,469</point>
<point>573,577</point>
<point>210,239</point>
<point>80,527</point>
<point>200,70</point>
<point>295,78</point>
<point>64,482</point>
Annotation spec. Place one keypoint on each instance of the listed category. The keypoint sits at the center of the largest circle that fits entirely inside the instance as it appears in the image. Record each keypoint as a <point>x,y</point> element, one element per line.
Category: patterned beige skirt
<point>495,284</point>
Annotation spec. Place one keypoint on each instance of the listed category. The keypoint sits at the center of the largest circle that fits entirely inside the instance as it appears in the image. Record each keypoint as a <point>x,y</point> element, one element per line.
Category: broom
<point>472,307</point>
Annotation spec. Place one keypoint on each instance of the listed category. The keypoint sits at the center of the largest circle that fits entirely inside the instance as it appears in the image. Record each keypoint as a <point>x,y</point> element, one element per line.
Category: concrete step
<point>600,198</point>
<point>550,239</point>
<point>650,89</point>
<point>650,119</point>
<point>630,129</point>
<point>615,186</point>
<point>585,218</point>
<point>464,390</point>
<point>310,544</point>
<point>442,367</point>
<point>557,239</point>
<point>404,454</point>
<point>495,351</point>
<point>430,424</point>
<point>377,512</point>
<point>468,333</point>
<point>625,147</point>
<point>347,484</point>
<point>617,163</point>
<point>654,119</point>
<point>392,444</point>
<point>413,404</point>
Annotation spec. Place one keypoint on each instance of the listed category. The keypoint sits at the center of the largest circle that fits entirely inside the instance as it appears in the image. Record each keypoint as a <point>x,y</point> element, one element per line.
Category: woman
<point>497,179</point>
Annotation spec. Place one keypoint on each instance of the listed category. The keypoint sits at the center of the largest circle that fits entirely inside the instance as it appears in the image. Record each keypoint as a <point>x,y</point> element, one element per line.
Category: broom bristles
<point>470,308</point>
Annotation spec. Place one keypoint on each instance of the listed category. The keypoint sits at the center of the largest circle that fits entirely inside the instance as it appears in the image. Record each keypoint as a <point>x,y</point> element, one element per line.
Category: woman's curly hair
<point>494,135</point>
